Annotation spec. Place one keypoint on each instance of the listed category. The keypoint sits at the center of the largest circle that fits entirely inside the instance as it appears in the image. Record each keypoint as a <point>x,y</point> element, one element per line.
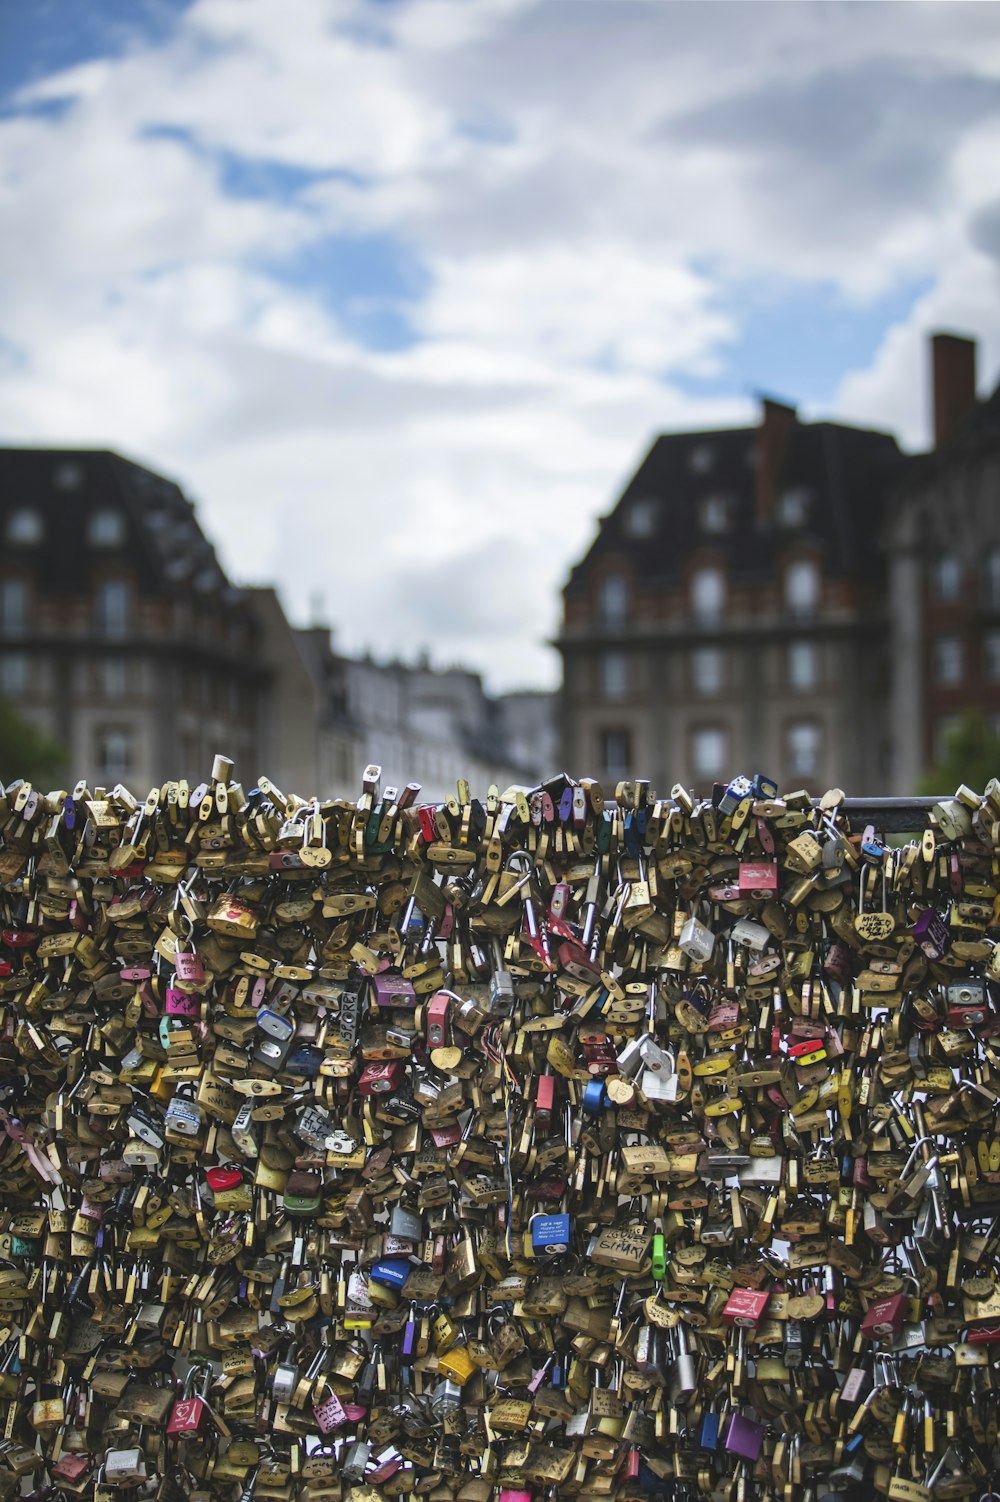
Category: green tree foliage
<point>28,752</point>
<point>972,756</point>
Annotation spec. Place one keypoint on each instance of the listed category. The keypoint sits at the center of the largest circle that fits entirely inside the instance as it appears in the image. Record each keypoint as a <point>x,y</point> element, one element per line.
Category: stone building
<point>943,554</point>
<point>731,614</point>
<point>120,635</point>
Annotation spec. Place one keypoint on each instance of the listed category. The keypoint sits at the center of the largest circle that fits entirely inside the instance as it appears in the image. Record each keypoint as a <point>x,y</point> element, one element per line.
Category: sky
<point>400,291</point>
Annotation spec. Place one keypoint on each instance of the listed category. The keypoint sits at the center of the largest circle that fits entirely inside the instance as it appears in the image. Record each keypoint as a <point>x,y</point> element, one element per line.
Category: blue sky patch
<point>369,283</point>
<point>797,341</point>
<point>40,37</point>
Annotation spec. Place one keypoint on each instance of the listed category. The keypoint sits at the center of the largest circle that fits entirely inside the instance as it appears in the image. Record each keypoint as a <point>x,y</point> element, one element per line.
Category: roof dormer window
<point>106,528</point>
<point>24,527</point>
<point>715,514</point>
<point>641,516</point>
<point>793,507</point>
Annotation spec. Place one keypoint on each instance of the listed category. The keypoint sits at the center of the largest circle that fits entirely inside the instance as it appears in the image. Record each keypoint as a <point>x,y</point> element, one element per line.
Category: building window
<point>24,527</point>
<point>801,665</point>
<point>112,607</point>
<point>702,458</point>
<point>708,593</point>
<point>803,748</point>
<point>67,476</point>
<point>802,587</point>
<point>706,671</point>
<point>993,577</point>
<point>709,751</point>
<point>991,656</point>
<point>642,516</point>
<point>113,677</point>
<point>947,660</point>
<point>946,577</point>
<point>715,513</point>
<point>13,674</point>
<point>616,752</point>
<point>614,675</point>
<point>114,754</point>
<point>793,507</point>
<point>614,600</point>
<point>13,606</point>
<point>106,529</point>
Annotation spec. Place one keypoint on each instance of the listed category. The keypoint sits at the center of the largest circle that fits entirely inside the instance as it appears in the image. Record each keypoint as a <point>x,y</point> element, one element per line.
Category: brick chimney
<point>776,423</point>
<point>953,371</point>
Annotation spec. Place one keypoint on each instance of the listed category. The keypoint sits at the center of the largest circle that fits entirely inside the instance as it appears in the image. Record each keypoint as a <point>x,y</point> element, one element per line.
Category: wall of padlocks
<point>544,1145</point>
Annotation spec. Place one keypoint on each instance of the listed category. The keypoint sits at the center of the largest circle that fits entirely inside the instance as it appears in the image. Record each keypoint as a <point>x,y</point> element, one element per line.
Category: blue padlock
<point>549,1235</point>
<point>708,1439</point>
<point>391,1274</point>
<point>594,1097</point>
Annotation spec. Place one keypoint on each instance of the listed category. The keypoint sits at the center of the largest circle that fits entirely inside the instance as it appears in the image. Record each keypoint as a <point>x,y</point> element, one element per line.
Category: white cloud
<point>582,187</point>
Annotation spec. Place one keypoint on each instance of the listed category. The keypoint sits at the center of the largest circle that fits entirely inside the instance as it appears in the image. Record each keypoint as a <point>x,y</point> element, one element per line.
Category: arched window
<point>13,606</point>
<point>707,671</point>
<point>946,577</point>
<point>614,600</point>
<point>708,593</point>
<point>803,748</point>
<point>802,586</point>
<point>112,607</point>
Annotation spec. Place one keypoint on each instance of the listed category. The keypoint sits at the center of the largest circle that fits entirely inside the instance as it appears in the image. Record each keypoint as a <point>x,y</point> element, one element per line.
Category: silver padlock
<point>124,1467</point>
<point>271,1052</point>
<point>682,1373</point>
<point>408,1225</point>
<point>754,935</point>
<point>245,1132</point>
<point>286,1376</point>
<point>275,1024</point>
<point>354,1461</point>
<point>144,1125</point>
<point>182,1117</point>
<point>696,940</point>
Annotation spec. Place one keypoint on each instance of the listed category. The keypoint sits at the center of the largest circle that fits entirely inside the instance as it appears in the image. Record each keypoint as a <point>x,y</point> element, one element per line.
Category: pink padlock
<point>513,1494</point>
<point>178,1003</point>
<point>330,1414</point>
<point>189,968</point>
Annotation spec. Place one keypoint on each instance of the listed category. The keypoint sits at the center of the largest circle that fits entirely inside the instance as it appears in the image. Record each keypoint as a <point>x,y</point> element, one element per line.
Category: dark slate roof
<point>977,432</point>
<point>847,472</point>
<point>163,544</point>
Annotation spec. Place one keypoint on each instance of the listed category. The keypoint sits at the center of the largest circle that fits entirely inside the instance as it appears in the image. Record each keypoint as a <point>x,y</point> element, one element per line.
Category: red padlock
<point>884,1319</point>
<point>190,1414</point>
<point>380,1079</point>
<point>221,1179</point>
<point>745,1307</point>
<point>758,879</point>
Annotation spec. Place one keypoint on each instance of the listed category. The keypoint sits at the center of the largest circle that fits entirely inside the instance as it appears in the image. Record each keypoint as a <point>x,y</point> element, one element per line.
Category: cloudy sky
<point>400,290</point>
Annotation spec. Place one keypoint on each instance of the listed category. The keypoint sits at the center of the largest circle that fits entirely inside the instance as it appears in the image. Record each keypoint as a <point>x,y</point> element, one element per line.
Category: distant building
<point>120,635</point>
<point>431,726</point>
<point>732,615</point>
<point>943,552</point>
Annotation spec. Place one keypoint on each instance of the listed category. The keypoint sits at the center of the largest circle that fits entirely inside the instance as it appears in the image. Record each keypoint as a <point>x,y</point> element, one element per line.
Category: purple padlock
<point>178,1003</point>
<point>932,934</point>
<point>744,1437</point>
